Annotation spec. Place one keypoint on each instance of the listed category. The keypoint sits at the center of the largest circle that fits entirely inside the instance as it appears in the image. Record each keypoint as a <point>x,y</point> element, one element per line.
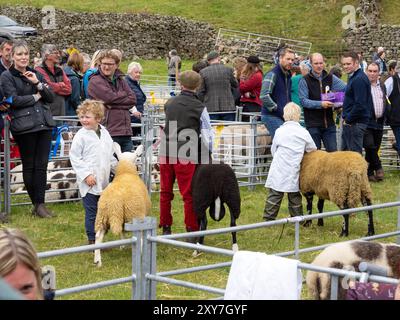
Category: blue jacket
<point>281,91</point>
<point>140,96</point>
<point>74,99</point>
<point>85,83</point>
<point>358,104</point>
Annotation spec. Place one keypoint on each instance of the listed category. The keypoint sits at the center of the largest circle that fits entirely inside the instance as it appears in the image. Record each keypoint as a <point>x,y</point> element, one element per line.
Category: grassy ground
<point>67,230</point>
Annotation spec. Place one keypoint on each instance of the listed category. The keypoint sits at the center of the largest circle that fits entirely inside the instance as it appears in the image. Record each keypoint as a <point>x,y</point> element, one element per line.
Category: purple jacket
<point>371,291</point>
<point>118,99</point>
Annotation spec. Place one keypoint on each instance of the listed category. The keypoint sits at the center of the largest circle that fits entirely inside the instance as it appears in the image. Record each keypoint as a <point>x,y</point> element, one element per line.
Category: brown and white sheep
<point>340,177</point>
<point>348,255</point>
<point>125,198</point>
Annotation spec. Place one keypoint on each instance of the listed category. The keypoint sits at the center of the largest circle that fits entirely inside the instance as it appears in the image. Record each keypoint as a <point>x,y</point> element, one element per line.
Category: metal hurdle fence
<point>144,242</point>
<point>246,43</point>
<point>245,146</point>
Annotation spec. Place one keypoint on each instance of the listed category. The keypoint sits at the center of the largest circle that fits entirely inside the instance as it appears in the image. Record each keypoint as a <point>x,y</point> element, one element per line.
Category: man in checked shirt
<point>374,132</point>
<point>275,91</point>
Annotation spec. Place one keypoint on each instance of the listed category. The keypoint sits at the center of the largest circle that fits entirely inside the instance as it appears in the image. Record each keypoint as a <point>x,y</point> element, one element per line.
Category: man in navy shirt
<point>357,105</point>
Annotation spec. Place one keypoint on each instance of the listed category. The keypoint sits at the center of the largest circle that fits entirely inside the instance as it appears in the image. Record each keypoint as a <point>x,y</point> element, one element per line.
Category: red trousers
<point>183,173</point>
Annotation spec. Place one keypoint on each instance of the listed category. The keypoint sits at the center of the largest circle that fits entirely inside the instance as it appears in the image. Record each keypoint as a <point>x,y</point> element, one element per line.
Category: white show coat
<point>290,142</point>
<point>90,154</point>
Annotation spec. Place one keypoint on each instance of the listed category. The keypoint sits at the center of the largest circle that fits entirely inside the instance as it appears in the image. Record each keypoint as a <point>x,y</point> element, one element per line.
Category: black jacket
<point>26,114</point>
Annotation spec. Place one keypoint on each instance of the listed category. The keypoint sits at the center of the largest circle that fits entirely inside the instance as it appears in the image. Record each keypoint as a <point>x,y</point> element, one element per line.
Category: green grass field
<point>67,230</point>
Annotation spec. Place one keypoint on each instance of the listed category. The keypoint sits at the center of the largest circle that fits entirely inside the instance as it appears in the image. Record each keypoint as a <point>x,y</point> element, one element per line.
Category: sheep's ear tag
<point>117,150</point>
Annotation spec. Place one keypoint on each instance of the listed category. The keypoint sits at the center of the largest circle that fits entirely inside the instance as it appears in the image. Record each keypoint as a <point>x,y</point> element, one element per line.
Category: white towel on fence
<point>258,276</point>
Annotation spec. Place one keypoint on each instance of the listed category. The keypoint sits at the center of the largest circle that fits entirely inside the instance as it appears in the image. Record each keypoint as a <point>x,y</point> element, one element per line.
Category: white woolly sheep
<point>212,186</point>
<point>125,198</point>
<point>348,255</point>
<point>339,176</point>
<point>236,140</point>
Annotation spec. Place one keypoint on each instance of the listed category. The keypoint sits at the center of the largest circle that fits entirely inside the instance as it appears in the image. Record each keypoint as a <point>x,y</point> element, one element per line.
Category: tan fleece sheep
<point>125,198</point>
<point>339,176</point>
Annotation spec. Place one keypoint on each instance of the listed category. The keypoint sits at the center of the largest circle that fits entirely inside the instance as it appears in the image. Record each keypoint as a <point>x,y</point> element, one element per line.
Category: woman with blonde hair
<point>94,65</point>
<point>250,86</point>
<point>19,265</point>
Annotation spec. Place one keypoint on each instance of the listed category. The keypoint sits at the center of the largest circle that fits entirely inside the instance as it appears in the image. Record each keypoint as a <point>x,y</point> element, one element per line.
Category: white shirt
<point>90,154</point>
<point>290,142</point>
<point>389,85</point>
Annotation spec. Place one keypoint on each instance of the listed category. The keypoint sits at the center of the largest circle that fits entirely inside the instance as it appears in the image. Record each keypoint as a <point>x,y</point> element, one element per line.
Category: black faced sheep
<point>337,176</point>
<point>124,199</point>
<point>212,186</point>
<point>348,255</point>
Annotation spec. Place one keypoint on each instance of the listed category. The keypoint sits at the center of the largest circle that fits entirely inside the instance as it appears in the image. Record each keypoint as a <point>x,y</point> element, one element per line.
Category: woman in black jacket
<point>31,123</point>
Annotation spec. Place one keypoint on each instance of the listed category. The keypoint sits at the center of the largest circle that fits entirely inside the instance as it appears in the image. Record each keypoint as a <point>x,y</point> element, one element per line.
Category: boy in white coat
<point>91,157</point>
<point>290,142</point>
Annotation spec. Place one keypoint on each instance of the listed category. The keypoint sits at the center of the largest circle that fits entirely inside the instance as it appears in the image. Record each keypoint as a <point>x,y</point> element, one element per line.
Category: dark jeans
<point>396,132</point>
<point>249,107</point>
<point>35,148</point>
<point>272,123</point>
<point>223,116</point>
<point>125,142</point>
<point>326,135</point>
<point>274,200</point>
<point>372,143</point>
<point>172,80</point>
<point>90,204</point>
<point>353,137</point>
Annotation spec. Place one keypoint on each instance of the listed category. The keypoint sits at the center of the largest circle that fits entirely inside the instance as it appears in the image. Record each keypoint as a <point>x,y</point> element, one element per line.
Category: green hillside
<point>315,21</point>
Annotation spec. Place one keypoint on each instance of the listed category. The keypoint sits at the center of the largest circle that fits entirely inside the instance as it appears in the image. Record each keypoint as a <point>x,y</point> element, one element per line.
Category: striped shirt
<point>377,98</point>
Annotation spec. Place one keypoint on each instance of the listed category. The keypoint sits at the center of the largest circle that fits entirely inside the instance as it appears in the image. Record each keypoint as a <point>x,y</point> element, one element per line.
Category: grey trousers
<point>274,200</point>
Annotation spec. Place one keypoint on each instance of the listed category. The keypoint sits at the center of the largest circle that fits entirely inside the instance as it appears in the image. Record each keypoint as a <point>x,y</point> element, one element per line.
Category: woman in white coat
<point>290,142</point>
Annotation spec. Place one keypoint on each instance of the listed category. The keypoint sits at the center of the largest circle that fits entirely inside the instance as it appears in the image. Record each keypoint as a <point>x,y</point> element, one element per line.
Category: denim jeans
<point>125,142</point>
<point>224,116</point>
<point>172,81</point>
<point>396,132</point>
<point>90,204</point>
<point>353,137</point>
<point>326,135</point>
<point>272,123</point>
<point>372,143</point>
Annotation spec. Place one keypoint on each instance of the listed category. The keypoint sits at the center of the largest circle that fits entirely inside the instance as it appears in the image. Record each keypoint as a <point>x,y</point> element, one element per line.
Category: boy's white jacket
<point>290,142</point>
<point>91,155</point>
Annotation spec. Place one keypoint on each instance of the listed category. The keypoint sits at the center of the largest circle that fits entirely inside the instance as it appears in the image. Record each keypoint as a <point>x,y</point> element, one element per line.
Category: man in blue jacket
<point>275,91</point>
<point>357,105</point>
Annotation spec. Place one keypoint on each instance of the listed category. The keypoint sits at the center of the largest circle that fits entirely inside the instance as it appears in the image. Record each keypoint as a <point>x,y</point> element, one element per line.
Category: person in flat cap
<point>186,116</point>
<point>212,55</point>
<point>217,89</point>
<point>250,86</point>
<point>174,63</point>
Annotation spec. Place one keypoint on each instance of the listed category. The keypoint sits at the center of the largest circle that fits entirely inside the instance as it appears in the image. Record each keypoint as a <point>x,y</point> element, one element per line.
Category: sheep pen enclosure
<point>67,230</point>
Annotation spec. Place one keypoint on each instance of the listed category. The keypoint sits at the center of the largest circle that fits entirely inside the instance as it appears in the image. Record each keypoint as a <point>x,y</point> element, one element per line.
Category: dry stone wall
<point>370,33</point>
<point>146,36</point>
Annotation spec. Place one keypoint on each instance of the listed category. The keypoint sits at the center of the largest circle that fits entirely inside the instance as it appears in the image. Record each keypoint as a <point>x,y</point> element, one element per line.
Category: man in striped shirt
<point>373,134</point>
